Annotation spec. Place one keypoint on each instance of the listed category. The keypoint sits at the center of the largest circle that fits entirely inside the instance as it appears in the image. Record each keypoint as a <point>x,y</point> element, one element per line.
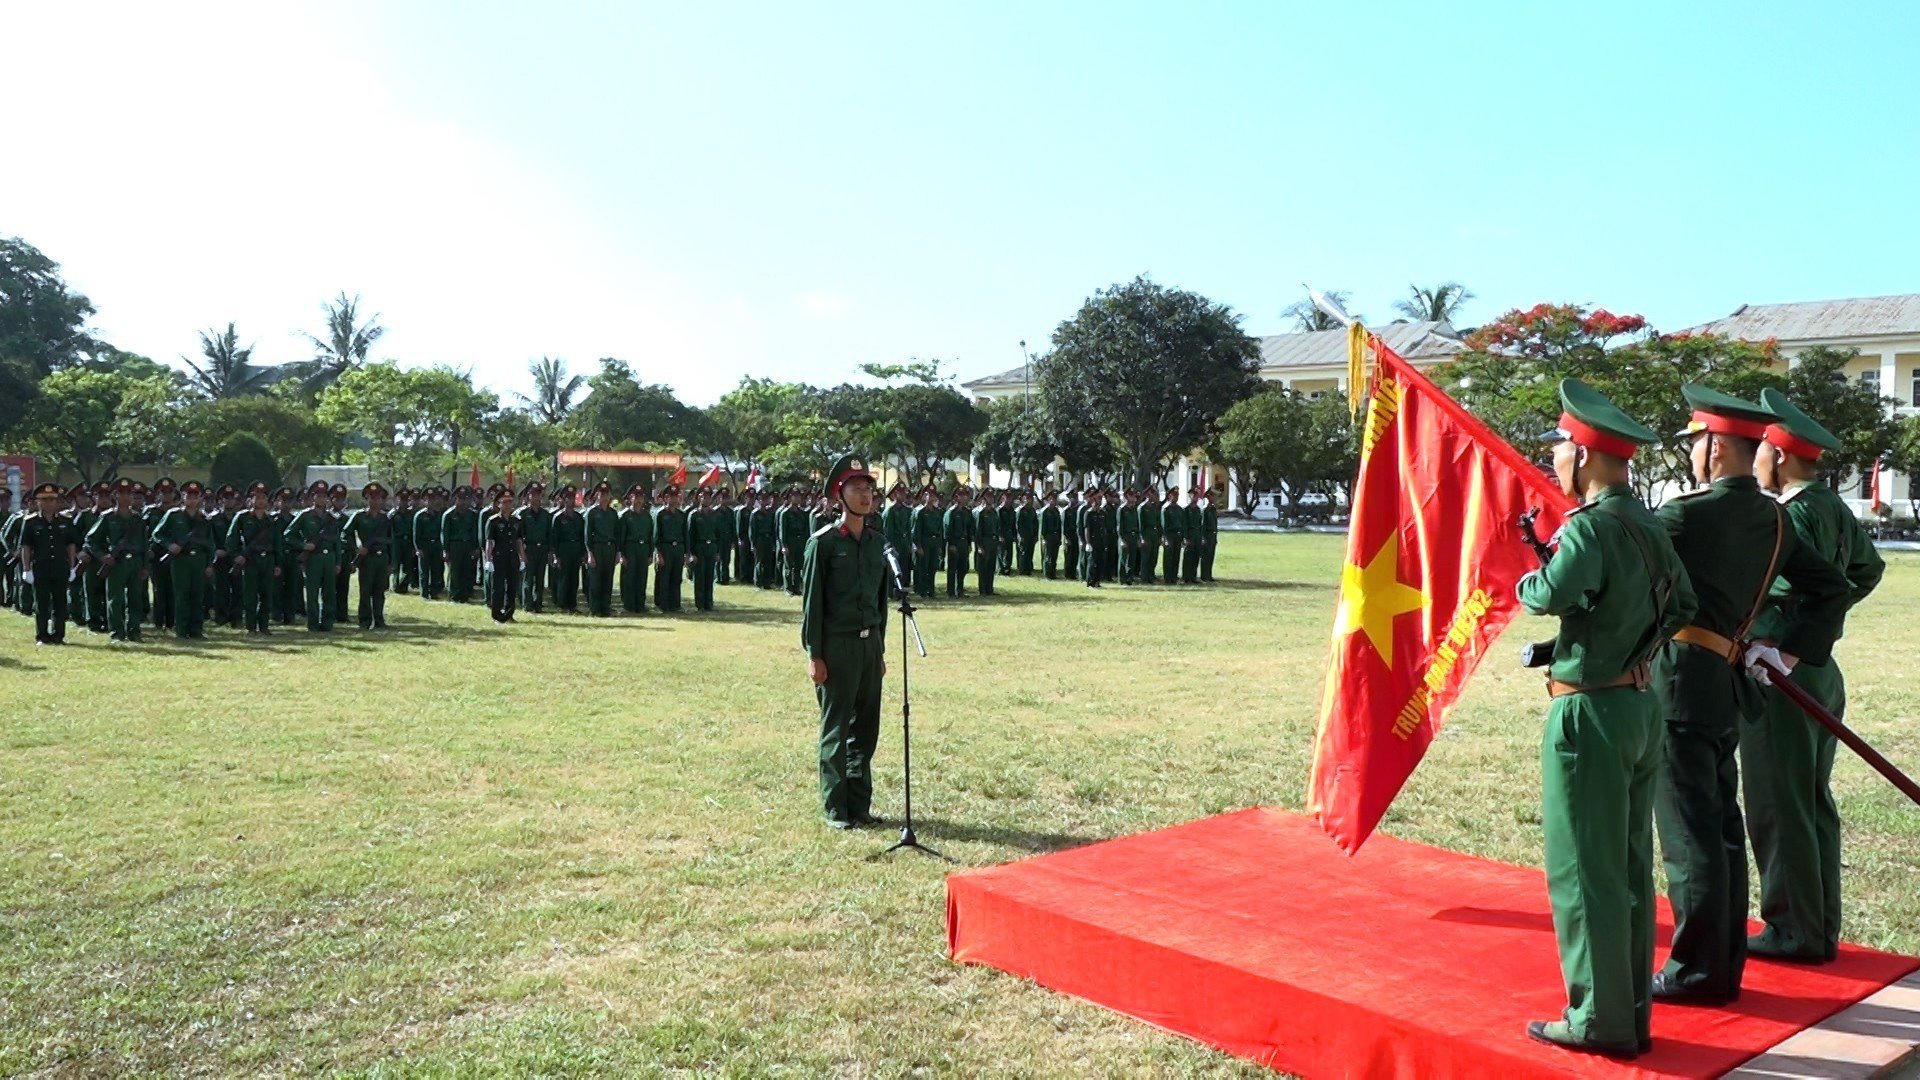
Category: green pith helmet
<point>1589,419</point>
<point>1795,431</point>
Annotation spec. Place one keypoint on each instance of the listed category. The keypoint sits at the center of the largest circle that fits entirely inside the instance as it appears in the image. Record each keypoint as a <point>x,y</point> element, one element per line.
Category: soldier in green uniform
<point>569,550</point>
<point>80,515</point>
<point>7,560</point>
<point>118,544</point>
<point>369,537</point>
<point>1051,529</point>
<point>1150,534</point>
<point>928,539</point>
<point>222,610</point>
<point>140,605</point>
<point>793,539</point>
<point>707,548</point>
<point>1026,533</point>
<point>1209,535</point>
<point>1096,539</point>
<point>896,522</point>
<point>286,574</point>
<point>722,517</point>
<point>460,537</point>
<point>1003,507</point>
<point>1173,536</point>
<point>94,577</point>
<point>186,538</point>
<point>669,549</point>
<point>1733,540</point>
<point>1071,517</point>
<point>636,549</point>
<point>536,540</point>
<point>504,554</point>
<point>763,529</point>
<point>603,547</point>
<point>50,550</point>
<point>427,543</point>
<point>843,628</point>
<point>1620,592</point>
<point>986,540</point>
<point>401,520</point>
<point>483,511</point>
<point>743,538</point>
<point>1194,538</point>
<point>160,570</point>
<point>956,530</point>
<point>1127,523</point>
<point>344,563</point>
<point>315,535</point>
<point>253,546</point>
<point>1785,757</point>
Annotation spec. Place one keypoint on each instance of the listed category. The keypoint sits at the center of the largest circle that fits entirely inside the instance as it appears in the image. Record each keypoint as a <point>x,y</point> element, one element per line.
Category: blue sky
<point>712,190</point>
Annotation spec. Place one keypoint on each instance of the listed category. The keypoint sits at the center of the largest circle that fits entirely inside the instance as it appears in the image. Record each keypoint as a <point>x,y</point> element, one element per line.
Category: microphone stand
<point>904,601</point>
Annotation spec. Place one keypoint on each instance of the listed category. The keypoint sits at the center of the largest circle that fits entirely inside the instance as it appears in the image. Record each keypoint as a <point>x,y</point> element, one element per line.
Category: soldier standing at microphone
<point>843,628</point>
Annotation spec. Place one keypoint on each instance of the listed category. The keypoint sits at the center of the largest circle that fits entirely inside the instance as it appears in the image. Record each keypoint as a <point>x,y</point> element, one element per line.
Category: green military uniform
<point>95,575</point>
<point>16,595</point>
<point>48,548</point>
<point>743,539</point>
<point>843,624</point>
<point>1128,524</point>
<point>118,543</point>
<point>569,548</point>
<point>536,534</point>
<point>603,550</point>
<point>223,603</point>
<point>1150,536</point>
<point>315,534</point>
<point>793,543</point>
<point>763,530</point>
<point>505,551</point>
<point>159,569</point>
<point>670,548</point>
<point>406,565</point>
<point>1050,532</point>
<point>460,539</point>
<point>721,520</point>
<point>187,539</point>
<point>896,522</point>
<point>1192,531</point>
<point>706,542</point>
<point>1733,540</point>
<point>1096,541</point>
<point>1619,591</point>
<point>986,533</point>
<point>1209,537</point>
<point>429,547</point>
<point>1004,509</point>
<point>369,541</point>
<point>1786,758</point>
<point>81,517</point>
<point>484,573</point>
<point>928,537</point>
<point>1026,533</point>
<point>1070,529</point>
<point>1173,537</point>
<point>287,589</point>
<point>956,530</point>
<point>636,551</point>
<point>254,544</point>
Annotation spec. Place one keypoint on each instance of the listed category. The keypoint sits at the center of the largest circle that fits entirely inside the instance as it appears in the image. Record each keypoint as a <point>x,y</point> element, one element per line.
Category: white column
<point>1893,487</point>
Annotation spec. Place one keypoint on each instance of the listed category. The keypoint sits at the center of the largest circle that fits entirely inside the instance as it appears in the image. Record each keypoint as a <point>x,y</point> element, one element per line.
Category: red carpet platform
<point>1251,932</point>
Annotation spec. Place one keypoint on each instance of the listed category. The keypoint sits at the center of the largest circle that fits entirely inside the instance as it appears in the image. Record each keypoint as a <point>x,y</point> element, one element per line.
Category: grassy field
<point>566,846</point>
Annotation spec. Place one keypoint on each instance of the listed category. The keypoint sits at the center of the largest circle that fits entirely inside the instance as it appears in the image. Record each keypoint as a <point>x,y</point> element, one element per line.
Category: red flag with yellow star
<point>1434,552</point>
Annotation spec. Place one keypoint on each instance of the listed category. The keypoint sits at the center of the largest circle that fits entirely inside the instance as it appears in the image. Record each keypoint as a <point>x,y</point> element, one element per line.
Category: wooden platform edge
<point>1878,1038</point>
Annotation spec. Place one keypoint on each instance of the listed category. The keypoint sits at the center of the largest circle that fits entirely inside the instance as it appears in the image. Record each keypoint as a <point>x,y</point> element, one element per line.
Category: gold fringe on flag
<point>1356,367</point>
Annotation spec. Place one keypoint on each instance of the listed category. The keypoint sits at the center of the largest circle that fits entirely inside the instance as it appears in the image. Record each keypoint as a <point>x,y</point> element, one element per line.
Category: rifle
<point>1784,683</point>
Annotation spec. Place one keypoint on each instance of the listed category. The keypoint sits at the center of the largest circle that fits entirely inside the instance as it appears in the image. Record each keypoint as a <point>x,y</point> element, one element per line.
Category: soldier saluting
<point>1733,540</point>
<point>1620,591</point>
<point>1787,760</point>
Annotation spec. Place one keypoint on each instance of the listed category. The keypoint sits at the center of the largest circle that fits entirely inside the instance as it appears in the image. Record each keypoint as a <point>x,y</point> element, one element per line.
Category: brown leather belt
<point>1638,678</point>
<point>1718,644</point>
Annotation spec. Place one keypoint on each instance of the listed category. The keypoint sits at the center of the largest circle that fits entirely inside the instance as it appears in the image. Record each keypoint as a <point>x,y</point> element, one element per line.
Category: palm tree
<point>553,389</point>
<point>1309,317</point>
<point>345,346</point>
<point>1438,304</point>
<point>228,370</point>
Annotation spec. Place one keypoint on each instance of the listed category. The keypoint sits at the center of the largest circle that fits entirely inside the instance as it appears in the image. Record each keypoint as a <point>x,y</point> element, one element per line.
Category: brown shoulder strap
<point>1773,569</point>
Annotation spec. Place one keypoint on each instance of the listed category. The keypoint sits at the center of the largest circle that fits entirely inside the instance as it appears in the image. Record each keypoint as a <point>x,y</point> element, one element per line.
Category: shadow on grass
<point>934,831</point>
<point>1003,598</point>
<point>298,639</point>
<point>1270,586</point>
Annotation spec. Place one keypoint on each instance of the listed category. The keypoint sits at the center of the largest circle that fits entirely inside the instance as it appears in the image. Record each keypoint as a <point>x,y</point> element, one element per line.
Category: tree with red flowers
<point>1512,366</point>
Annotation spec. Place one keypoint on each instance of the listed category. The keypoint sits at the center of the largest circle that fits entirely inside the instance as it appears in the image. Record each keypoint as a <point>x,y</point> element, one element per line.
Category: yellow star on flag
<point>1371,597</point>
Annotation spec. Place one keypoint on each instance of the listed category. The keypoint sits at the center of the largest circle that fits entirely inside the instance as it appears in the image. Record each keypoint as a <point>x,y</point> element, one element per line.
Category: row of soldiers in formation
<point>1664,712</point>
<point>177,557</point>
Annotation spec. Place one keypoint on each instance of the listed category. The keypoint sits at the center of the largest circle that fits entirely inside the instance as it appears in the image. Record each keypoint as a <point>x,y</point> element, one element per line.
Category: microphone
<point>901,582</point>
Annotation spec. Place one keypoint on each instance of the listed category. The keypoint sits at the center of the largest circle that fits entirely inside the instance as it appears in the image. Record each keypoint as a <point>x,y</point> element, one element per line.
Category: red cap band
<point>1727,425</point>
<point>1793,444</point>
<point>1594,439</point>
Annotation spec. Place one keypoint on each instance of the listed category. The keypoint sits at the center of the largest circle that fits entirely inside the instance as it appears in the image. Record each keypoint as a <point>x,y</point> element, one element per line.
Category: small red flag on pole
<point>1433,554</point>
<point>475,481</point>
<point>679,475</point>
<point>711,476</point>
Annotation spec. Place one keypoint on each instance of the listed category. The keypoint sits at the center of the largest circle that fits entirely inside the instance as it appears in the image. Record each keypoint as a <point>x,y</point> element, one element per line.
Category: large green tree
<point>1436,303</point>
<point>92,422</point>
<point>1857,415</point>
<point>745,423</point>
<point>1285,439</point>
<point>1150,367</point>
<point>42,325</point>
<point>343,346</point>
<point>290,429</point>
<point>619,408</point>
<point>554,389</point>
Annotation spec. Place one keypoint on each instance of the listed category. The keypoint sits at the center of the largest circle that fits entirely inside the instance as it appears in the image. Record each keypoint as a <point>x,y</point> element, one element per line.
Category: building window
<point>1870,379</point>
<point>1916,388</point>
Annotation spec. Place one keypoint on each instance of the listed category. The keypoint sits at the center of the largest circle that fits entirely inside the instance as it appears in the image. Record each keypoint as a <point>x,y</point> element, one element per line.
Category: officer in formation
<point>843,629</point>
<point>505,554</point>
<point>1667,639</point>
<point>49,555</point>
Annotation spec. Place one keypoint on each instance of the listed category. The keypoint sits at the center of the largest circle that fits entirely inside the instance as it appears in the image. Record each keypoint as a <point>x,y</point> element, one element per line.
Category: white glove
<point>1759,652</point>
<point>73,575</point>
<point>489,566</point>
<point>26,576</point>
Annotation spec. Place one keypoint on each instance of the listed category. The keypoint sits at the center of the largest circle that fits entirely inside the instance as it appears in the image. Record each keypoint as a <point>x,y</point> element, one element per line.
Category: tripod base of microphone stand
<point>908,840</point>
